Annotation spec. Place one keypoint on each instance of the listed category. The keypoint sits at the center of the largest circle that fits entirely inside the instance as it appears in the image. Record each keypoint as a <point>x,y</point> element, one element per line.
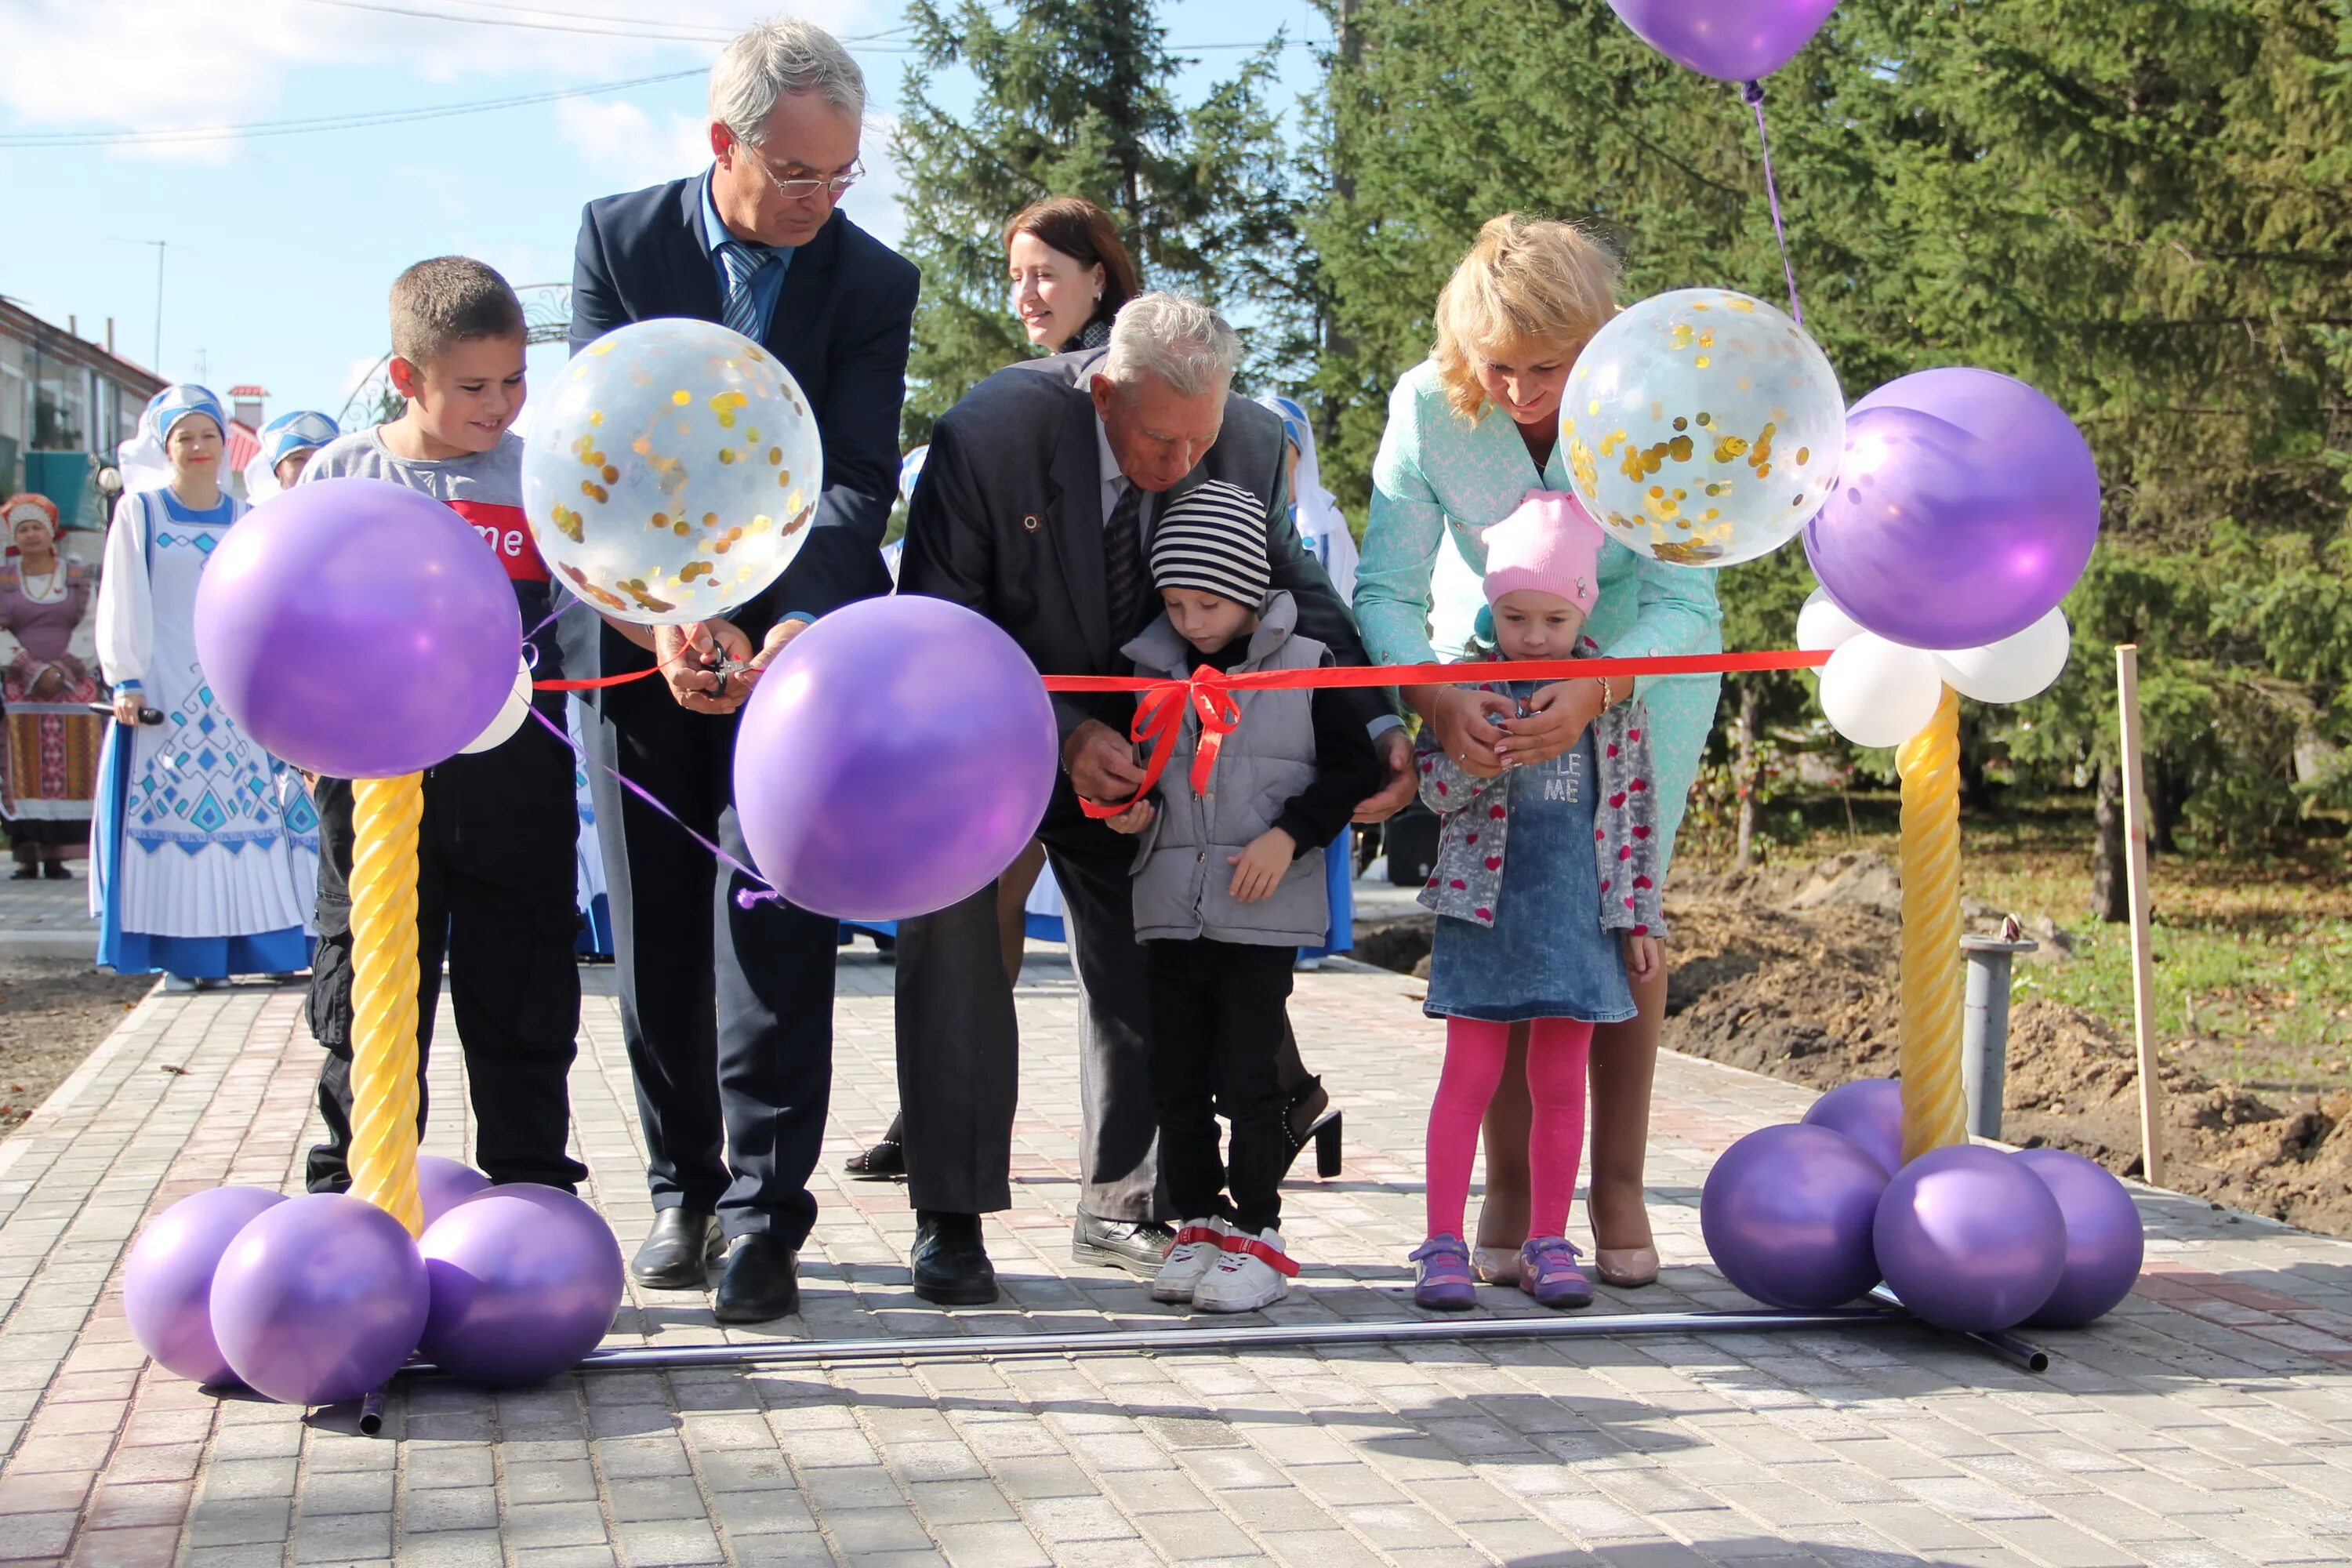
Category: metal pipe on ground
<point>1251,1336</point>
<point>1984,1035</point>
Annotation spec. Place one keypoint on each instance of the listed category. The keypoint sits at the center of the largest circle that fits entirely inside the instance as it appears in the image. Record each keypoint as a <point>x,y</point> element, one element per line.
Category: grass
<point>2252,954</point>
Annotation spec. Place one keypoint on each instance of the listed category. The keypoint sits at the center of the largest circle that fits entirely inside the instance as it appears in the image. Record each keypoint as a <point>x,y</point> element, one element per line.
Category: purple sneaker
<point>1443,1281</point>
<point>1548,1272</point>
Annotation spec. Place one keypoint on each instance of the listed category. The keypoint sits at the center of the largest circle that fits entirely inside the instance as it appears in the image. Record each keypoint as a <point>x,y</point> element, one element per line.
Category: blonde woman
<point>1470,432</point>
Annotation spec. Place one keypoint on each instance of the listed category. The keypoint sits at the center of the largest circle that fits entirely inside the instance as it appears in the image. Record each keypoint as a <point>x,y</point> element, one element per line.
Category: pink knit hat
<point>1548,545</point>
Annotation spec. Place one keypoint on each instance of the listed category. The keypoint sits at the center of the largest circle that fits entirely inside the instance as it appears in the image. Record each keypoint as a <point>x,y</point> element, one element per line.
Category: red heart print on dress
<point>1472,839</point>
<point>1625,851</point>
<point>1459,885</point>
<point>1640,882</point>
<point>1641,830</point>
<point>1497,811</point>
<point>1494,862</point>
<point>1640,930</point>
<point>1440,787</point>
<point>1604,884</point>
<point>1617,801</point>
<point>1639,785</point>
<point>1613,748</point>
<point>1485,913</point>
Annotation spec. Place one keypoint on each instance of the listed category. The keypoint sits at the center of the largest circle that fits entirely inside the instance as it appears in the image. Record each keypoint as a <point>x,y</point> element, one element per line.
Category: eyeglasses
<point>801,190</point>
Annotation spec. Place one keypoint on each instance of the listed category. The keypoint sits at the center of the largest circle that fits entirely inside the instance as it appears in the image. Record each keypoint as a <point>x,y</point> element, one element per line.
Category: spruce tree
<point>1077,98</point>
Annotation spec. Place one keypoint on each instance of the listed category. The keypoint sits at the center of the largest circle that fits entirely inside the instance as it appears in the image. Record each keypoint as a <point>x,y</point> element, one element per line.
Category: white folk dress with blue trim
<point>197,829</point>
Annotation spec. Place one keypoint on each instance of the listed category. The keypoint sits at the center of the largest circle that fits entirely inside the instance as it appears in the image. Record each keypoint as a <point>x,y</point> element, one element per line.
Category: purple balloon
<point>1786,1213</point>
<point>894,759</point>
<point>319,1300</point>
<point>167,1280</point>
<point>443,1184</point>
<point>525,1281</point>
<point>1971,1239</point>
<point>1966,506</point>
<point>2104,1243</point>
<point>358,628</point>
<point>1870,1111</point>
<point>1732,41</point>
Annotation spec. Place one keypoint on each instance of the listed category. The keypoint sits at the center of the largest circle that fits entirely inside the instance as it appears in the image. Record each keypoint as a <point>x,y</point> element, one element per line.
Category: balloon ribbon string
<point>1753,94</point>
<point>745,897</point>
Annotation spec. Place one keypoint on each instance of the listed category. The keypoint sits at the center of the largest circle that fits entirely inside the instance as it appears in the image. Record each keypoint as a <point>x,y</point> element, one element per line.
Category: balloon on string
<point>443,1184</point>
<point>357,628</point>
<point>1870,1111</point>
<point>894,759</point>
<point>525,1281</point>
<point>2104,1241</point>
<point>167,1280</point>
<point>1971,1239</point>
<point>1702,428</point>
<point>2015,668</point>
<point>1731,40</point>
<point>1966,507</point>
<point>511,715</point>
<point>1878,693</point>
<point>320,1299</point>
<point>1787,1213</point>
<point>673,473</point>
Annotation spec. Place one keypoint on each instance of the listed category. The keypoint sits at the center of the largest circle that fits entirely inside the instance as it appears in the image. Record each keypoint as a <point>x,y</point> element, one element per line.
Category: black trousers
<point>727,1012</point>
<point>960,1050</point>
<point>497,884</point>
<point>1219,1016</point>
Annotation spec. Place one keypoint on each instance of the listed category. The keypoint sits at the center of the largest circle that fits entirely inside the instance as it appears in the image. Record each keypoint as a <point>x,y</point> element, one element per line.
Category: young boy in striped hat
<point>1228,886</point>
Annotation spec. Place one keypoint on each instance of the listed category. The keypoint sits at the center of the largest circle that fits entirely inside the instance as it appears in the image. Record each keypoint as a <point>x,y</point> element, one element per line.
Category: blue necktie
<point>743,263</point>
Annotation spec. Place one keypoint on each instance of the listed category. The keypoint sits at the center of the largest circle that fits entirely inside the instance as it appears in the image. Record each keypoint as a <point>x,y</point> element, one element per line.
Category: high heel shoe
<point>1626,1268</point>
<point>1310,1117</point>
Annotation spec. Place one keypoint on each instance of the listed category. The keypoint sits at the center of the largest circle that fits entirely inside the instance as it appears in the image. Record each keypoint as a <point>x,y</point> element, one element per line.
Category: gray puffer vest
<point>1181,869</point>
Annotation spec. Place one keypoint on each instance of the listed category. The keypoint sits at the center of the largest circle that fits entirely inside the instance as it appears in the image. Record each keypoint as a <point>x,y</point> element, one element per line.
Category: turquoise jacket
<point>1439,482</point>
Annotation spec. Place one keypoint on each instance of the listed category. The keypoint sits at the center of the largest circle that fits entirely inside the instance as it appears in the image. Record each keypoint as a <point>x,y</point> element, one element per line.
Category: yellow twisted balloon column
<point>386,816</point>
<point>1935,1106</point>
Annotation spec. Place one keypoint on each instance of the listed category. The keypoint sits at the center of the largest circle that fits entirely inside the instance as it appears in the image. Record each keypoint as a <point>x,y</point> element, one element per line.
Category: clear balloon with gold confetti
<point>1702,428</point>
<point>673,473</point>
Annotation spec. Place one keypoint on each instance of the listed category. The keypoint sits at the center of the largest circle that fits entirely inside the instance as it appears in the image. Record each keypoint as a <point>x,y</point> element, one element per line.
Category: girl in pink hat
<point>1547,899</point>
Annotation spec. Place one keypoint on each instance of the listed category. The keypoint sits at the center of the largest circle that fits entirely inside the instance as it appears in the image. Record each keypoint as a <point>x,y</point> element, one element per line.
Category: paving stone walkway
<point>2210,1422</point>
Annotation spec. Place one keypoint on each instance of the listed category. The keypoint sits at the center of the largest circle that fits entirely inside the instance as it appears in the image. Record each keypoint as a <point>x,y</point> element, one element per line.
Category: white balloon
<point>2015,669</point>
<point>1879,693</point>
<point>1821,625</point>
<point>510,717</point>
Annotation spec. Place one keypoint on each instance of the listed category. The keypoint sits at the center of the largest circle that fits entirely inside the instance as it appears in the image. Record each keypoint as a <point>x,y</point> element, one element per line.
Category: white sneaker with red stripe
<point>1254,1272</point>
<point>1199,1243</point>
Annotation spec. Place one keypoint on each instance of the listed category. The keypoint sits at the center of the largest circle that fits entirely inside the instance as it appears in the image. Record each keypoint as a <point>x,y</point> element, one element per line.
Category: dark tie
<point>1123,576</point>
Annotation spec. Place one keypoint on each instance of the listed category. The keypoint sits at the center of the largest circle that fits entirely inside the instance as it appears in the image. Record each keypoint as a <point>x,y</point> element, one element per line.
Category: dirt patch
<point>52,1014</point>
<point>1794,972</point>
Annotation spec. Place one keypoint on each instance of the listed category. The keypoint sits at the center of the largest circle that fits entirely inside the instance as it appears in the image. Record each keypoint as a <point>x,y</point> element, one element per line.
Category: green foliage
<point>1076,99</point>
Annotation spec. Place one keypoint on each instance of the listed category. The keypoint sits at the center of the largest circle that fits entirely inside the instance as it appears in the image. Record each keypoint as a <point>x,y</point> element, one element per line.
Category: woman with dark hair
<point>1070,273</point>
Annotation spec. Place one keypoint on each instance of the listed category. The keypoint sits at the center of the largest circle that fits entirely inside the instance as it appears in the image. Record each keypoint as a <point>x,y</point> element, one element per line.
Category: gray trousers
<point>960,1048</point>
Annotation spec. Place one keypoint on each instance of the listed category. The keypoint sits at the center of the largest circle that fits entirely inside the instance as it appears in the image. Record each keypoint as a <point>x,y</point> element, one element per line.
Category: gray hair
<point>1180,341</point>
<point>773,59</point>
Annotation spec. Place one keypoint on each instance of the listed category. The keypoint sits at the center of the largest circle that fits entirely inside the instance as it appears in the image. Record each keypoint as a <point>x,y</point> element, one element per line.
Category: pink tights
<point>1475,1053</point>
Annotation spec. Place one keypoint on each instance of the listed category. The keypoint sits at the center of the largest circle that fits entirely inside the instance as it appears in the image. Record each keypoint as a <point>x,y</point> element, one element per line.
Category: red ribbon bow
<point>1159,724</point>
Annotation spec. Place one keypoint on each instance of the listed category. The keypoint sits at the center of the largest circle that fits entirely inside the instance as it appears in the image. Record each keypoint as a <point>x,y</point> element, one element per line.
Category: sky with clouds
<point>278,246</point>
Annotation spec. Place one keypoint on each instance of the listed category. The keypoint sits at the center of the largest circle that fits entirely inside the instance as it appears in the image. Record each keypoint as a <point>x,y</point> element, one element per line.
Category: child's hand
<point>1258,869</point>
<point>1134,819</point>
<point>1645,956</point>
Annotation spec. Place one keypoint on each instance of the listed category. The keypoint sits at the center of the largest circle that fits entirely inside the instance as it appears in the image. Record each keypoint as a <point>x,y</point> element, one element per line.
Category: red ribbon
<point>1159,711</point>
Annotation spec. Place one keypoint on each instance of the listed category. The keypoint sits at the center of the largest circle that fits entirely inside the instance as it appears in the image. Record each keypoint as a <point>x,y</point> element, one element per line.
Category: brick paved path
<point>2210,1422</point>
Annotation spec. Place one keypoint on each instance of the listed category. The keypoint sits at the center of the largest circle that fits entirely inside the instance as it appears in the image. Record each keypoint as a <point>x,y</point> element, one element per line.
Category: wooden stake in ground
<point>385,817</point>
<point>1934,1102</point>
<point>2151,1159</point>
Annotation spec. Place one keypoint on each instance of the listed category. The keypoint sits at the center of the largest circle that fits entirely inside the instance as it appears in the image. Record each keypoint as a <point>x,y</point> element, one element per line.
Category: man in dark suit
<point>1035,508</point>
<point>755,243</point>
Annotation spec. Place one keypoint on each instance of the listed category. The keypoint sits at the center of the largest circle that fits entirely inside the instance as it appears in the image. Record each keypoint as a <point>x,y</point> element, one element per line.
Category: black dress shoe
<point>1139,1246</point>
<point>762,1282</point>
<point>55,870</point>
<point>678,1251</point>
<point>950,1265</point>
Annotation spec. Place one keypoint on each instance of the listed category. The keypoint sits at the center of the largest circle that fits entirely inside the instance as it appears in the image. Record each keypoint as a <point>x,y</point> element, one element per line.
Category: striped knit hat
<point>1212,539</point>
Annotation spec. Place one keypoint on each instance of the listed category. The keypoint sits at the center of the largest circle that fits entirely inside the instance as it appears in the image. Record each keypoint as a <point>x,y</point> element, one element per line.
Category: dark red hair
<point>1076,228</point>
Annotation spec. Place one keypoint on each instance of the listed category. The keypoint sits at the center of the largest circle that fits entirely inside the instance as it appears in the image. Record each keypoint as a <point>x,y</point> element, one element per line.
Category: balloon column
<point>1968,1237</point>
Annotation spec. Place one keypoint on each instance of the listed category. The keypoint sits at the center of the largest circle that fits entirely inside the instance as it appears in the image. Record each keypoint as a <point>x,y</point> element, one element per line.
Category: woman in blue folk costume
<point>192,848</point>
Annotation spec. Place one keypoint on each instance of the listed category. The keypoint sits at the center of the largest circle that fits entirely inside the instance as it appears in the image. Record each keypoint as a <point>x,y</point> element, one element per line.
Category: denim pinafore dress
<point>1546,955</point>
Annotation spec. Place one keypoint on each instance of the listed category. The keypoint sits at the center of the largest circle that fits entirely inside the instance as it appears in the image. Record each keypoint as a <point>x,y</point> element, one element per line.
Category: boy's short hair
<point>448,301</point>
